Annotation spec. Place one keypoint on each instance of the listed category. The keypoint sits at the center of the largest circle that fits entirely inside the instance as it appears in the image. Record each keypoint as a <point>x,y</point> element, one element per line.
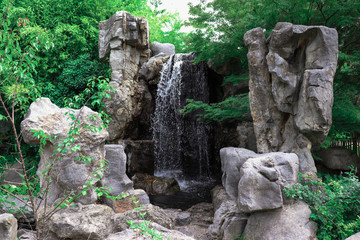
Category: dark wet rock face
<point>291,88</point>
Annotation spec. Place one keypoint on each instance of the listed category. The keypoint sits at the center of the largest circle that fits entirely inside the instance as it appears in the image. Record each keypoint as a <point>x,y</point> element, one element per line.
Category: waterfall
<point>181,143</point>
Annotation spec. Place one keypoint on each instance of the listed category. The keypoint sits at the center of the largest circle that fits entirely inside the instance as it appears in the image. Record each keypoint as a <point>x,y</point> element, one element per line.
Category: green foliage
<point>231,109</point>
<point>335,204</point>
<point>18,58</point>
<point>143,226</point>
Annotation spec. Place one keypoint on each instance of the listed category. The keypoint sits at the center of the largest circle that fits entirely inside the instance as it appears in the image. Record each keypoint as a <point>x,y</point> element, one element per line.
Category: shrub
<point>334,203</point>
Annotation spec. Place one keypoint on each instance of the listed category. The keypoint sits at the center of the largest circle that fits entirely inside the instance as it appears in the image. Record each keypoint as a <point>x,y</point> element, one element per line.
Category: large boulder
<point>150,71</point>
<point>162,48</point>
<point>8,227</point>
<point>289,222</point>
<point>232,160</point>
<point>125,40</point>
<point>257,181</point>
<point>291,94</point>
<point>69,169</point>
<point>263,178</point>
<point>91,222</point>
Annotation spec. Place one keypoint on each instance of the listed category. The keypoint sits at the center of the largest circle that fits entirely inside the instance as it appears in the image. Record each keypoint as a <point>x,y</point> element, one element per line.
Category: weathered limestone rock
<point>263,178</point>
<point>150,71</point>
<point>289,222</point>
<point>338,158</point>
<point>91,222</point>
<point>153,213</point>
<point>125,40</point>
<point>115,173</point>
<point>142,196</point>
<point>165,48</point>
<point>24,234</point>
<point>228,222</point>
<point>232,160</point>
<point>256,181</point>
<point>201,217</point>
<point>291,95</point>
<point>8,227</point>
<point>68,173</point>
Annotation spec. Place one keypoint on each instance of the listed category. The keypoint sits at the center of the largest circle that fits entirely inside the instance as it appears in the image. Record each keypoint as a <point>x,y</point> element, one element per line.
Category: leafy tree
<point>72,27</point>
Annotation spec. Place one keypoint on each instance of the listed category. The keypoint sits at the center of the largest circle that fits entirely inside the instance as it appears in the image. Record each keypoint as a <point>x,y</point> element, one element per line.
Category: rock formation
<point>68,173</point>
<point>162,48</point>
<point>291,87</point>
<point>289,222</point>
<point>124,39</point>
<point>115,172</point>
<point>257,181</point>
<point>8,227</point>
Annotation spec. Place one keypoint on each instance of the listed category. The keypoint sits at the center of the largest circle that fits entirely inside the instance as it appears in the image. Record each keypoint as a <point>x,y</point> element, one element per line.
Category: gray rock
<point>150,70</point>
<point>291,93</point>
<point>338,158</point>
<point>201,216</point>
<point>24,234</point>
<point>135,234</point>
<point>182,219</point>
<point>153,213</point>
<point>263,178</point>
<point>256,180</point>
<point>289,222</point>
<point>165,48</point>
<point>142,196</point>
<point>69,174</point>
<point>125,40</point>
<point>232,160</point>
<point>354,237</point>
<point>115,173</point>
<point>228,222</point>
<point>83,222</point>
<point>8,227</point>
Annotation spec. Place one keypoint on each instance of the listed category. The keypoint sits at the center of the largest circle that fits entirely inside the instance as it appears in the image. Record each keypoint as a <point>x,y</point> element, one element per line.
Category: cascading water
<point>181,143</point>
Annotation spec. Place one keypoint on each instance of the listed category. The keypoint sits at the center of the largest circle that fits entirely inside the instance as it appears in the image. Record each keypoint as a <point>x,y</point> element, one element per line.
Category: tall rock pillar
<point>124,42</point>
<point>291,88</point>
